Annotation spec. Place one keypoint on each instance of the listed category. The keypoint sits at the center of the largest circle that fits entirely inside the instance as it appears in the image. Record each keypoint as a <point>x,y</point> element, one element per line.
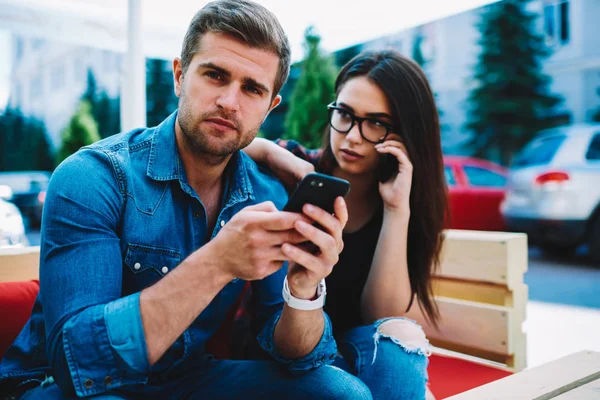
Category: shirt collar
<point>165,163</point>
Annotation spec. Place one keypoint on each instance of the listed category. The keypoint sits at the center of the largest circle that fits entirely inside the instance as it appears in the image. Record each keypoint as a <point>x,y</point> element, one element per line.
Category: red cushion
<point>449,376</point>
<point>16,302</point>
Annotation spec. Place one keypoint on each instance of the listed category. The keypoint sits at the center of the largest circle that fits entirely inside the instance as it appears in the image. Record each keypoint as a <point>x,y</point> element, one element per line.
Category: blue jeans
<point>233,379</point>
<point>389,356</point>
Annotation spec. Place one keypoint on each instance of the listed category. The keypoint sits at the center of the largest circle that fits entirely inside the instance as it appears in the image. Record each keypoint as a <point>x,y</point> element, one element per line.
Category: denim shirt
<point>120,215</point>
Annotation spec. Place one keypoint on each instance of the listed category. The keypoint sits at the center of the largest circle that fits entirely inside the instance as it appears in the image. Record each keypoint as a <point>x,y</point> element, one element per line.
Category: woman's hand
<point>396,191</point>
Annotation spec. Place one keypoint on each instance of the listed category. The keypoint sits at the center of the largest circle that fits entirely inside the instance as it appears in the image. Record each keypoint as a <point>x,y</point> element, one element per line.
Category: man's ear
<point>276,101</point>
<point>177,75</point>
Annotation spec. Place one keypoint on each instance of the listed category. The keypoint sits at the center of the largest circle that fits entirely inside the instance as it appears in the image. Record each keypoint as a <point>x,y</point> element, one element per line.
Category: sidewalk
<point>556,330</point>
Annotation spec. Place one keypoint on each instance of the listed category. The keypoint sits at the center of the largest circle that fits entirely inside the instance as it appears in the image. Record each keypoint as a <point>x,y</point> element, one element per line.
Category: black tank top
<point>347,280</point>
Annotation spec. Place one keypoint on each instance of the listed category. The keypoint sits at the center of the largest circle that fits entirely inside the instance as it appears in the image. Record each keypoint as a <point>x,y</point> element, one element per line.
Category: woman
<point>384,107</point>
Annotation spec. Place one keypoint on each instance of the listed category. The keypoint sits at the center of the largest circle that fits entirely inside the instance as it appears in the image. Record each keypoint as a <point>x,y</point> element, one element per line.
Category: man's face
<point>224,95</point>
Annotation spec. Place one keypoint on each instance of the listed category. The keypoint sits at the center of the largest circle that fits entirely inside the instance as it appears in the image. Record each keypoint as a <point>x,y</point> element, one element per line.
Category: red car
<point>476,188</point>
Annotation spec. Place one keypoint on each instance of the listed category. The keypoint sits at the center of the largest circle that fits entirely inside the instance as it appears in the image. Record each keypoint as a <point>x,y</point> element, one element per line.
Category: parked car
<point>12,228</point>
<point>476,189</point>
<point>29,192</point>
<point>554,190</point>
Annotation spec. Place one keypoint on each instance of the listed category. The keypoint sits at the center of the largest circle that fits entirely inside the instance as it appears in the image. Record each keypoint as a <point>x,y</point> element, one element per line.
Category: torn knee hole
<point>406,333</point>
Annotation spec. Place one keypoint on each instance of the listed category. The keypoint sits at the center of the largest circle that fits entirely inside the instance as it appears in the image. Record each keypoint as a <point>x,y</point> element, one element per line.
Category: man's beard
<point>199,143</point>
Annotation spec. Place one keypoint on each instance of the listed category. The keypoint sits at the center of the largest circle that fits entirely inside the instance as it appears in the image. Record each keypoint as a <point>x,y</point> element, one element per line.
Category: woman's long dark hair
<point>415,115</point>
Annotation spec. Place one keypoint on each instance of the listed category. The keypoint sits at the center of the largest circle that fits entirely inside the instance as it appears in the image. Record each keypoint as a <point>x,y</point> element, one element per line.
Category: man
<point>149,236</point>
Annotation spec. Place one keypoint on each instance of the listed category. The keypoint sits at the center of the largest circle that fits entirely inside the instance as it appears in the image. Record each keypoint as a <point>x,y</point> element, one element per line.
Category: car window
<point>449,176</point>
<point>540,151</point>
<point>593,152</point>
<point>484,177</point>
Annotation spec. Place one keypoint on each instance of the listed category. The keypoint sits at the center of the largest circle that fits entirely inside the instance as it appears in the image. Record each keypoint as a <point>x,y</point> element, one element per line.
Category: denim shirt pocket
<point>145,265</point>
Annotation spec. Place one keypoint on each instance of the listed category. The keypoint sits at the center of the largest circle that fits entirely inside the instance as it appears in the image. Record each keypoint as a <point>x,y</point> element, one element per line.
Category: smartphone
<point>388,167</point>
<point>319,190</point>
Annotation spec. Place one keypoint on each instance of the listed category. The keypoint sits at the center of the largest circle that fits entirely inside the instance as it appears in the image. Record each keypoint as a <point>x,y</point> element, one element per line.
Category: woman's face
<point>362,98</point>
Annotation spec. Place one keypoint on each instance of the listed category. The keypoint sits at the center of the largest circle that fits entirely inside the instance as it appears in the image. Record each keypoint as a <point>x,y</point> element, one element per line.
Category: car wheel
<point>595,241</point>
<point>558,250</point>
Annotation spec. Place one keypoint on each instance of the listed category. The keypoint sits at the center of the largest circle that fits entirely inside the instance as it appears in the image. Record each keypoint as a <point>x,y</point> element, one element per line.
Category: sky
<point>340,24</point>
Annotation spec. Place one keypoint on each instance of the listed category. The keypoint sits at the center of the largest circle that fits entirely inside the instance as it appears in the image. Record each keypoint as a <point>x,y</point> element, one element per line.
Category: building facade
<point>48,79</point>
<point>451,49</point>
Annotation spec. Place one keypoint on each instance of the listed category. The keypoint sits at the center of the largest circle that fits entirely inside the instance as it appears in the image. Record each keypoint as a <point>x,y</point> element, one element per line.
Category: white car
<point>554,190</point>
<point>12,228</point>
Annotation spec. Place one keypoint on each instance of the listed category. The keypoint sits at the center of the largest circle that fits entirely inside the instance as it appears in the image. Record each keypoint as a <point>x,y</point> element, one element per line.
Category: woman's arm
<point>387,292</point>
<point>285,165</point>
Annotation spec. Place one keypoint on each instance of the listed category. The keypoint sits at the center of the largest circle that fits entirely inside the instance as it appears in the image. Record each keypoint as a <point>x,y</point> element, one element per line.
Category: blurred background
<point>517,85</point>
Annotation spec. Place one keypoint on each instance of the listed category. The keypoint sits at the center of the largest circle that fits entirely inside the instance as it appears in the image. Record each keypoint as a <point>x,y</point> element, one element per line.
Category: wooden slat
<point>480,292</point>
<point>479,326</point>
<point>543,382</point>
<point>585,392</point>
<point>495,257</point>
<point>19,264</point>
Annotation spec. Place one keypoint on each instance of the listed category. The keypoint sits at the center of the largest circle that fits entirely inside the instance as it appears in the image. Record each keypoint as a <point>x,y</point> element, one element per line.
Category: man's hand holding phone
<point>306,269</point>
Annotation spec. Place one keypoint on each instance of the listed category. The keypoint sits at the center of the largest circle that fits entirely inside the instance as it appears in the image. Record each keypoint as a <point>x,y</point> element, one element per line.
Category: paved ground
<point>554,331</point>
<point>572,281</point>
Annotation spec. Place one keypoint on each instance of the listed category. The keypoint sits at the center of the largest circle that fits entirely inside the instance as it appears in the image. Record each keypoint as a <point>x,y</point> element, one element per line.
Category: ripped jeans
<point>389,356</point>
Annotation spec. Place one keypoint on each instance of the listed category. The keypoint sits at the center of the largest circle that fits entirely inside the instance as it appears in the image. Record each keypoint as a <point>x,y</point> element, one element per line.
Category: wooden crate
<point>481,297</point>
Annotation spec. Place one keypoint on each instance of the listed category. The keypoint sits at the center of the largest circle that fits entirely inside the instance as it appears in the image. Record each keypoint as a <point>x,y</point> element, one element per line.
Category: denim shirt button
<point>88,383</point>
<point>222,223</point>
<point>137,266</point>
<point>107,380</point>
<point>165,270</point>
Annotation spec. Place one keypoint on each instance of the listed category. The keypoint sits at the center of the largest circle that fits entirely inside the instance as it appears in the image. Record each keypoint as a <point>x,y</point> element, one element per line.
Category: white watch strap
<point>301,304</point>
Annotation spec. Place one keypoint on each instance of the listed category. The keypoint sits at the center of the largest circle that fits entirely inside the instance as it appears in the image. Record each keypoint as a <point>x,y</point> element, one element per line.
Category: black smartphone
<point>319,190</point>
<point>388,167</point>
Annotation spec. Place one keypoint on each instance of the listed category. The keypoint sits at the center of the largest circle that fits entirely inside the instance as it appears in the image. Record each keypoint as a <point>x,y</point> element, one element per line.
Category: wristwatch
<point>301,304</point>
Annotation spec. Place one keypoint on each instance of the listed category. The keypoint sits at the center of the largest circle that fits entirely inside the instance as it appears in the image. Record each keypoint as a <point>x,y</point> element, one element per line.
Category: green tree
<point>417,51</point>
<point>160,97</point>
<point>512,99</point>
<point>307,118</point>
<point>107,114</point>
<point>91,90</point>
<point>105,109</point>
<point>24,143</point>
<point>82,130</point>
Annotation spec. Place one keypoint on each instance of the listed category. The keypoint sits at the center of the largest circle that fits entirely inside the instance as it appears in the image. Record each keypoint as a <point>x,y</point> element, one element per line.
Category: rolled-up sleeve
<point>81,281</point>
<point>269,301</point>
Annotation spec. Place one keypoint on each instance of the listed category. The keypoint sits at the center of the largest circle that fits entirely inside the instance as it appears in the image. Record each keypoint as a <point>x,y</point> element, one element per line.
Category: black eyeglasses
<point>342,120</point>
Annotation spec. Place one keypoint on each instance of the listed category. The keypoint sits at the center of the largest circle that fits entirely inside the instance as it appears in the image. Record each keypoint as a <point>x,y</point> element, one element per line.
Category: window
<point>80,69</point>
<point>107,60</point>
<point>36,89</point>
<point>19,45</point>
<point>484,177</point>
<point>57,79</point>
<point>449,176</point>
<point>593,152</point>
<point>549,20</point>
<point>564,22</point>
<point>540,151</point>
<point>37,43</point>
<point>556,21</point>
